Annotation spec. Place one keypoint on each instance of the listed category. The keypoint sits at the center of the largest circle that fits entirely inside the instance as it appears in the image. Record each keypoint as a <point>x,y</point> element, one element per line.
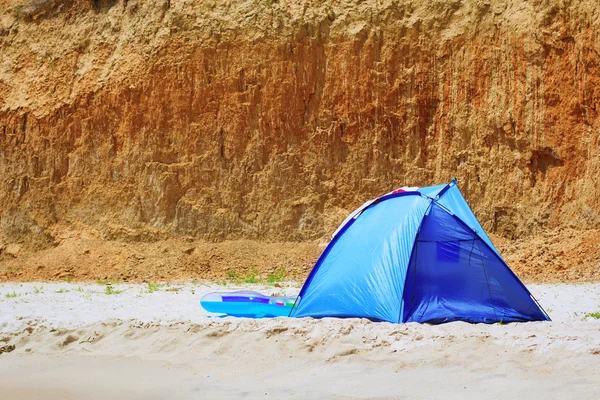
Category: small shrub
<point>595,315</point>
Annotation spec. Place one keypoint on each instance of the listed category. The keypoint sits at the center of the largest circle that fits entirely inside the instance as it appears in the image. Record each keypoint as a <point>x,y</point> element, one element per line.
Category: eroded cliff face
<point>271,120</point>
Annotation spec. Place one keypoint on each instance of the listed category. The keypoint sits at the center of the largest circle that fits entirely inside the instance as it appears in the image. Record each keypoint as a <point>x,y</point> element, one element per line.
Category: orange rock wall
<point>273,120</point>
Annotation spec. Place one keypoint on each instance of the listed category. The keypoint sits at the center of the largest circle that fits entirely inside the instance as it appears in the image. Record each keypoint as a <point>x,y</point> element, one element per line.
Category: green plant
<point>595,315</point>
<point>251,277</point>
<point>152,287</point>
<point>277,276</point>
<point>109,290</point>
<point>62,291</point>
<point>221,282</point>
<point>79,289</point>
<point>38,290</point>
<point>103,282</point>
<point>11,295</point>
<point>330,13</point>
<point>232,275</point>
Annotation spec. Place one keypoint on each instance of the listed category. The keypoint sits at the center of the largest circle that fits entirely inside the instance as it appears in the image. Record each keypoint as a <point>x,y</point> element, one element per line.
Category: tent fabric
<point>432,191</point>
<point>416,256</point>
<point>454,200</point>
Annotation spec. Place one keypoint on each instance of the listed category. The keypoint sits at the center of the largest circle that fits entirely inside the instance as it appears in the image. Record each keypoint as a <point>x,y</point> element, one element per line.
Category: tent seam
<point>412,251</point>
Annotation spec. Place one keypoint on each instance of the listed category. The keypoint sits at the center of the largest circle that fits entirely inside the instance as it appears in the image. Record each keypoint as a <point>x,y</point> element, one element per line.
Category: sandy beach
<point>74,341</point>
<point>152,152</point>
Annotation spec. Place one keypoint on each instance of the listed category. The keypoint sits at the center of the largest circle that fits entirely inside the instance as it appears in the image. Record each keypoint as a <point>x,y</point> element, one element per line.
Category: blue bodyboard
<point>248,304</point>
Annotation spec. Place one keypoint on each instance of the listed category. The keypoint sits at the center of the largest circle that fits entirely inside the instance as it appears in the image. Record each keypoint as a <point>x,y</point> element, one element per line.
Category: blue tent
<point>417,255</point>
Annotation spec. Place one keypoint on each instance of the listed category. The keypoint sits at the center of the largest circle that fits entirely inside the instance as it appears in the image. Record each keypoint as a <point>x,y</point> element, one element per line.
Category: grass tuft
<point>232,275</point>
<point>251,277</point>
<point>11,295</point>
<point>595,315</point>
<point>109,290</point>
<point>152,287</point>
<point>277,276</point>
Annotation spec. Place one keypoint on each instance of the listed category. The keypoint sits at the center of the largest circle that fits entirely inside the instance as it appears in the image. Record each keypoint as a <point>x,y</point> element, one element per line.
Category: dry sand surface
<point>74,341</point>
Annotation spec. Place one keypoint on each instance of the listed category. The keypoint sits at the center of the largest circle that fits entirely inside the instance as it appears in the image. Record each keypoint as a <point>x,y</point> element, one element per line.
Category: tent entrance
<point>454,276</point>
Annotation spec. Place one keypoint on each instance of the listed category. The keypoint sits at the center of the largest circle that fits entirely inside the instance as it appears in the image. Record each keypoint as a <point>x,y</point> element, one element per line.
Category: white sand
<point>138,345</point>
